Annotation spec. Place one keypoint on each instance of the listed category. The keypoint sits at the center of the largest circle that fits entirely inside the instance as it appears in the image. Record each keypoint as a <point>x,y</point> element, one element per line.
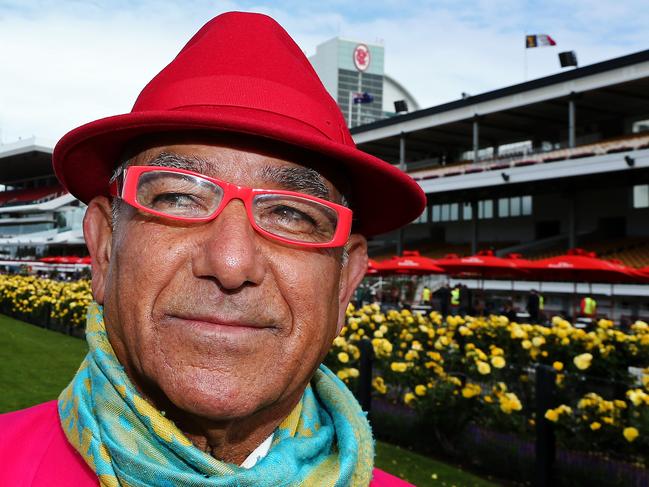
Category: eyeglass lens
<point>189,196</point>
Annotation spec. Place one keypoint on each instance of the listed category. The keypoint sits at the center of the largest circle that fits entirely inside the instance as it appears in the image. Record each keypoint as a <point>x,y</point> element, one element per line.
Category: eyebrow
<point>188,163</point>
<point>299,179</point>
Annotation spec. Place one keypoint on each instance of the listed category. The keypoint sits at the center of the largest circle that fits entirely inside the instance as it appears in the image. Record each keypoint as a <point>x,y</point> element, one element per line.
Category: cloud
<point>66,63</point>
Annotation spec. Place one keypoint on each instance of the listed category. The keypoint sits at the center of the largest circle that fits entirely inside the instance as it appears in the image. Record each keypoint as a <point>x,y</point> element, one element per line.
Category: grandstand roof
<point>25,159</point>
<point>613,89</point>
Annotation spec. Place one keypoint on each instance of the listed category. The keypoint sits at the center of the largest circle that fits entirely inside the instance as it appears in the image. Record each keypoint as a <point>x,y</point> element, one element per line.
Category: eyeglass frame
<point>127,191</point>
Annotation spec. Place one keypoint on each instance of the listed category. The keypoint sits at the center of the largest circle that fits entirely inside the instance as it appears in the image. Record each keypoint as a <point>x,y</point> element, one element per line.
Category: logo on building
<point>361,57</point>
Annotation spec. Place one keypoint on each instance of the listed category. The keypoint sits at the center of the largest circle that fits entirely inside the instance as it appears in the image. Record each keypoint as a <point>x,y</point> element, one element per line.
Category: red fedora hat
<point>242,73</point>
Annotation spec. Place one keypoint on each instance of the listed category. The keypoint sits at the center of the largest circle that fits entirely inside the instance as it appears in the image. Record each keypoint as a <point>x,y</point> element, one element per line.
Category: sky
<point>65,63</point>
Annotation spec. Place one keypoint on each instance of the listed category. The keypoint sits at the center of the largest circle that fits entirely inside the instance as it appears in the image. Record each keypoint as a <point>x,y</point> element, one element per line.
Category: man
<point>227,216</point>
<point>588,307</point>
<point>426,296</point>
<point>456,299</point>
<point>534,305</point>
<point>444,295</point>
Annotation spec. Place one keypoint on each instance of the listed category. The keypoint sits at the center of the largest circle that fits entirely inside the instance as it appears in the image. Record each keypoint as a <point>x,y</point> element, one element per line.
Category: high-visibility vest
<point>455,296</point>
<point>425,294</point>
<point>541,302</point>
<point>589,306</point>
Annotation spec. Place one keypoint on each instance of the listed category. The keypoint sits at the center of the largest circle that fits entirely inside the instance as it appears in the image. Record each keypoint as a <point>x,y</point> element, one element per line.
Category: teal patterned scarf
<point>325,441</point>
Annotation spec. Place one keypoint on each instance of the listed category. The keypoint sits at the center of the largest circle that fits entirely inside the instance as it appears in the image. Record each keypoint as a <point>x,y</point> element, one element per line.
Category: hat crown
<point>245,61</point>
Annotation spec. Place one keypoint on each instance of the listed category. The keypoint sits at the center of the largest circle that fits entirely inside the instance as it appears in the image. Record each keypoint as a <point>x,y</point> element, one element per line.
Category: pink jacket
<point>35,453</point>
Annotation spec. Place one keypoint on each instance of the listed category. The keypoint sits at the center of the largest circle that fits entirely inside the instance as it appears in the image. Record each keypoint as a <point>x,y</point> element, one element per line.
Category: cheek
<point>144,262</point>
<point>310,288</point>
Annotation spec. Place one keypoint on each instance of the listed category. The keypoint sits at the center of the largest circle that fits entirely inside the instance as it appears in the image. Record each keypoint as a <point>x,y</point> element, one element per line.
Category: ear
<point>351,274</point>
<point>98,232</point>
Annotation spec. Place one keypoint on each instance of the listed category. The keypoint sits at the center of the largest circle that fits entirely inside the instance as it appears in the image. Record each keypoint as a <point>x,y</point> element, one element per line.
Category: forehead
<point>243,161</point>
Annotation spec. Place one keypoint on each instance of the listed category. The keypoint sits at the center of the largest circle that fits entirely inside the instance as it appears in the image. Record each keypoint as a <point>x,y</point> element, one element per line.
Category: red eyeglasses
<point>286,216</point>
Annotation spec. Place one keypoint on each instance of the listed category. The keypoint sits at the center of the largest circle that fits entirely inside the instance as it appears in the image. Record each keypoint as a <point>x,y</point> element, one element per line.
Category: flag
<point>363,98</point>
<point>539,40</point>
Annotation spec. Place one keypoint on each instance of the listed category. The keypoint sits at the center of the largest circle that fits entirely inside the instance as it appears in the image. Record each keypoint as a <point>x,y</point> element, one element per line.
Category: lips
<point>224,323</point>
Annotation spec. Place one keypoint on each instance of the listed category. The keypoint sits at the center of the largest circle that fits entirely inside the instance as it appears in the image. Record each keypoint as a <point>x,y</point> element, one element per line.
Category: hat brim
<point>384,198</point>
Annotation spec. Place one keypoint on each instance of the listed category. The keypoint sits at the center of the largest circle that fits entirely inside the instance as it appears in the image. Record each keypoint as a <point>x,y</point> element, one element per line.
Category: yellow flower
<point>379,385</point>
<point>409,398</point>
<point>552,415</point>
<point>595,425</point>
<point>398,366</point>
<point>342,374</point>
<point>526,344</point>
<point>509,402</point>
<point>583,361</point>
<point>630,433</point>
<point>420,390</point>
<point>411,355</point>
<point>498,362</point>
<point>471,390</point>
<point>483,367</point>
<point>558,366</point>
<point>343,357</point>
<point>538,341</point>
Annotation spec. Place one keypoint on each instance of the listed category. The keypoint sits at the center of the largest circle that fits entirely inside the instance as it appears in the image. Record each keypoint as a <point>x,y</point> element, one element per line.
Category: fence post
<point>365,375</point>
<point>545,441</point>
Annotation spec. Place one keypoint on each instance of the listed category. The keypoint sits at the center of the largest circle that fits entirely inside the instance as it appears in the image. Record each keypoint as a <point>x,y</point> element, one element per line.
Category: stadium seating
<point>609,146</point>
<point>28,195</point>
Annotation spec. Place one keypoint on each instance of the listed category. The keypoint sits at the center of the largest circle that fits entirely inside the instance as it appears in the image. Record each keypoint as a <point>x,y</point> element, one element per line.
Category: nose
<point>228,250</point>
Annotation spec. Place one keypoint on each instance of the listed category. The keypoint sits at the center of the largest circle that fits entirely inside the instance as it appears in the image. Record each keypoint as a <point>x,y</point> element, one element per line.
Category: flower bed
<point>480,370</point>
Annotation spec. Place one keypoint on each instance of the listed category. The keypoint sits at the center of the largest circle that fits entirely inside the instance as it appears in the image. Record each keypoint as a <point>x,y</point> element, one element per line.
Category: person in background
<point>533,305</point>
<point>588,307</point>
<point>444,296</point>
<point>426,296</point>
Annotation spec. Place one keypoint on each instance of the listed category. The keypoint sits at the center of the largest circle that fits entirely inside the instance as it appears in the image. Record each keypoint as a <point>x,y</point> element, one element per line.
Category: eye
<point>174,199</point>
<point>290,214</point>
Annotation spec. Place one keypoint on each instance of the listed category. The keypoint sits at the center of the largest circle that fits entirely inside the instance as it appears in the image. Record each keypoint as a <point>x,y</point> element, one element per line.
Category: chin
<point>216,400</point>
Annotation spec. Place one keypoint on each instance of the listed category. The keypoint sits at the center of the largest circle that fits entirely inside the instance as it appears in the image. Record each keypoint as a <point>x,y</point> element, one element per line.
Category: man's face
<point>214,317</point>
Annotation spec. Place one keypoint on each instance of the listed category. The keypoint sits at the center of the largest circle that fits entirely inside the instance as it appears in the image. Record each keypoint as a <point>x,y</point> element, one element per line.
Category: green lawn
<point>36,364</point>
<point>423,471</point>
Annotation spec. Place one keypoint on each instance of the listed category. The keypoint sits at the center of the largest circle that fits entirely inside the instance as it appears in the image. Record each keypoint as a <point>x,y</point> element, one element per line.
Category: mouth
<point>216,324</point>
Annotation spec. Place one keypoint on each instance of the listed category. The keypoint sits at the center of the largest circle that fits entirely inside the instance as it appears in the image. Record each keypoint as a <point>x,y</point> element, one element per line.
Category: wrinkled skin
<point>215,324</point>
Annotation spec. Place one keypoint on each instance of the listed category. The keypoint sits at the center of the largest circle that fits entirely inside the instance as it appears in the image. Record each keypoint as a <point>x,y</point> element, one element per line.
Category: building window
<point>503,207</point>
<point>455,212</point>
<point>423,218</point>
<point>485,209</point>
<point>515,206</point>
<point>467,211</point>
<point>436,214</point>
<point>641,196</point>
<point>448,212</point>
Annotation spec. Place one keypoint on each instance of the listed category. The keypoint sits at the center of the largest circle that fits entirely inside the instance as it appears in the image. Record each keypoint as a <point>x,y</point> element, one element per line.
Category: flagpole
<point>525,57</point>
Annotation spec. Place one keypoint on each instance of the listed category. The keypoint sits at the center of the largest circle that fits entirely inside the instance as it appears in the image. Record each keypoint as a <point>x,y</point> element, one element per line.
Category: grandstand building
<point>37,216</point>
<point>535,168</point>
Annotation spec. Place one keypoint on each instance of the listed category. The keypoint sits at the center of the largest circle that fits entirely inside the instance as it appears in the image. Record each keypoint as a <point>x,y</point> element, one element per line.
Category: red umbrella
<point>483,264</point>
<point>411,262</point>
<point>373,267</point>
<point>580,265</point>
<point>48,260</point>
